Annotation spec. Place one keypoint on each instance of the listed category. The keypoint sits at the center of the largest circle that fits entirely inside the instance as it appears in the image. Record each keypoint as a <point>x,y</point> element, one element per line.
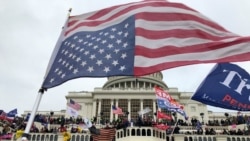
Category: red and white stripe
<point>167,35</point>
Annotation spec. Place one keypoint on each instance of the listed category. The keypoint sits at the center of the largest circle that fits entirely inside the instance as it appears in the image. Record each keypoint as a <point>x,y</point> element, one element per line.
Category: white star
<point>122,68</point>
<point>77,48</point>
<point>118,41</point>
<point>104,41</point>
<point>113,29</point>
<point>67,64</point>
<point>73,45</point>
<point>92,56</point>
<point>124,55</point>
<point>66,52</point>
<point>126,34</point>
<point>116,51</point>
<point>88,36</point>
<point>125,45</point>
<point>98,39</point>
<point>111,36</point>
<point>51,80</point>
<point>78,59</point>
<point>126,25</point>
<point>80,40</point>
<point>90,44</point>
<point>75,37</point>
<point>75,71</point>
<point>106,69</point>
<point>115,62</point>
<point>101,51</point>
<point>99,62</point>
<point>56,70</point>
<point>82,49</point>
<point>59,73</point>
<point>90,69</point>
<point>119,33</point>
<point>63,75</point>
<point>83,63</point>
<point>108,56</point>
<point>71,67</point>
<point>86,52</point>
<point>60,60</point>
<point>63,62</point>
<point>110,46</point>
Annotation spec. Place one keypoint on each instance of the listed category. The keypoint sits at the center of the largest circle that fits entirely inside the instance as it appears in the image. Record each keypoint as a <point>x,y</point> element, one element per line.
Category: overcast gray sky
<point>29,30</point>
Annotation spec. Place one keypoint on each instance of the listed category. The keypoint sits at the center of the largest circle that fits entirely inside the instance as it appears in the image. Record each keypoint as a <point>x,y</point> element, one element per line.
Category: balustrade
<point>141,134</point>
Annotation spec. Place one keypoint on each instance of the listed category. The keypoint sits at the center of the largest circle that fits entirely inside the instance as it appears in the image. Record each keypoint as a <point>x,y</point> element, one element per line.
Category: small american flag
<point>140,38</point>
<point>117,110</point>
<point>74,105</point>
<point>3,114</point>
<point>106,134</point>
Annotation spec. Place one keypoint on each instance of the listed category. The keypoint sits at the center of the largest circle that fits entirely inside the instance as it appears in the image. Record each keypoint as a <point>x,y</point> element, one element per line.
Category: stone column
<point>154,109</point>
<point>111,113</point>
<point>129,109</point>
<point>141,105</point>
<point>116,104</point>
<point>93,114</point>
<point>99,110</point>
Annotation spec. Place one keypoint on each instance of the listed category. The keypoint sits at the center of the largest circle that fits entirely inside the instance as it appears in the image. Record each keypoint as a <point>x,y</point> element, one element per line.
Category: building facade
<point>133,94</point>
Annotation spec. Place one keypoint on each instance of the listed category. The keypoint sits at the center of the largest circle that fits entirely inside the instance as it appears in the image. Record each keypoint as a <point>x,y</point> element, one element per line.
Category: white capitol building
<point>133,94</point>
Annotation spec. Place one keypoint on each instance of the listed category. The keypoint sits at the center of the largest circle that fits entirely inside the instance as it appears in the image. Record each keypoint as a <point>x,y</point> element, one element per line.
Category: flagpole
<point>32,116</point>
<point>174,127</point>
<point>37,102</point>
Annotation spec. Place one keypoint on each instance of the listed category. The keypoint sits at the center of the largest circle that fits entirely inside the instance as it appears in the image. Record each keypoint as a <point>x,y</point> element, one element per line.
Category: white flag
<point>144,111</point>
<point>72,112</point>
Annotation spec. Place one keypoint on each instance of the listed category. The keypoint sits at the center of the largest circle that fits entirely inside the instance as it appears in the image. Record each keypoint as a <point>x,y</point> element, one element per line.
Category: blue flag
<point>226,86</point>
<point>12,113</point>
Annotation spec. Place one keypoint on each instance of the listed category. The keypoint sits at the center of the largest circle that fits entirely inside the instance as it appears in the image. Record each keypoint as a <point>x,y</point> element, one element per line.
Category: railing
<point>140,134</point>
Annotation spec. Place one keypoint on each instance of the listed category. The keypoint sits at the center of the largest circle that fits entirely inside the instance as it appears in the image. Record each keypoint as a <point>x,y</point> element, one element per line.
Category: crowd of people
<point>77,125</point>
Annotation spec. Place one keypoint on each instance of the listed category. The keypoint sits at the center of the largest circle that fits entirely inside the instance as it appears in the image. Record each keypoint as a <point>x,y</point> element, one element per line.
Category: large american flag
<point>140,38</point>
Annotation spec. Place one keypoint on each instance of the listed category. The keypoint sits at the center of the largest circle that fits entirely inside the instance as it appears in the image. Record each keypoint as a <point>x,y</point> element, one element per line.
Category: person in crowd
<point>177,130</point>
<point>199,129</point>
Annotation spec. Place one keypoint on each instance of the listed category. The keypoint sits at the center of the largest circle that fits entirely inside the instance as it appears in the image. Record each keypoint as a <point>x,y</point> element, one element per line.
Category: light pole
<point>202,116</point>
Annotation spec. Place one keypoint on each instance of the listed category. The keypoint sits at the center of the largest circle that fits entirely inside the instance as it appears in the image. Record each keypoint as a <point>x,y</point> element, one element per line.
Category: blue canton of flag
<point>106,52</point>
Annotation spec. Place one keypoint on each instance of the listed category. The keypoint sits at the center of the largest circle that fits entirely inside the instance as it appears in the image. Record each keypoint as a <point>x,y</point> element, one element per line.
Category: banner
<point>226,86</point>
